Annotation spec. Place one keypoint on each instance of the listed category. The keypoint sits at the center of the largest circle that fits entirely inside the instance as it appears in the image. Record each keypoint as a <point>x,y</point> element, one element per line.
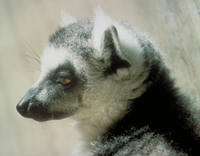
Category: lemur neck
<point>95,123</point>
<point>97,120</point>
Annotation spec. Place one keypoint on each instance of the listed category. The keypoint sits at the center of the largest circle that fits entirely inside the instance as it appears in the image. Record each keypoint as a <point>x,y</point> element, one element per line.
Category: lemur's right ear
<point>112,53</point>
<point>67,19</point>
<point>107,44</point>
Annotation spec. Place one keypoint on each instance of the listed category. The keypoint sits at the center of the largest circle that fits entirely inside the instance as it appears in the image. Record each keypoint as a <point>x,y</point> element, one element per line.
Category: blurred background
<point>24,29</point>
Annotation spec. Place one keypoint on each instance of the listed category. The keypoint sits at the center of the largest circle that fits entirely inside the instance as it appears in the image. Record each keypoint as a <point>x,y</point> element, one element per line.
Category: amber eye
<point>65,81</point>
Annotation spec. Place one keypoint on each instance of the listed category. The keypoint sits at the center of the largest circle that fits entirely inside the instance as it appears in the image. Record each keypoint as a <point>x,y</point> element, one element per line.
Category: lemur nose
<point>22,107</point>
<point>30,107</point>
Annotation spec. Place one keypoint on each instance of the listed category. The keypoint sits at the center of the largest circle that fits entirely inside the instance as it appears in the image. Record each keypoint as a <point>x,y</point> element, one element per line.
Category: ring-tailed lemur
<point>113,81</point>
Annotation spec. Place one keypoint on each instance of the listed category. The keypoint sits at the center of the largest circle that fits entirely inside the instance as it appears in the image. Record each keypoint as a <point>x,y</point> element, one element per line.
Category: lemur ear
<point>112,52</point>
<point>107,44</point>
<point>67,19</point>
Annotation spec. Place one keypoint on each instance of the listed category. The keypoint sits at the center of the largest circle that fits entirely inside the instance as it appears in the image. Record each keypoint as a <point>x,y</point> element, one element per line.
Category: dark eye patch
<point>64,75</point>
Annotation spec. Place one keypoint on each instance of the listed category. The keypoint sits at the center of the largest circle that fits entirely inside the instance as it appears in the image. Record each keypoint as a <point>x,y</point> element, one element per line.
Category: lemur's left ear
<point>111,51</point>
<point>67,19</point>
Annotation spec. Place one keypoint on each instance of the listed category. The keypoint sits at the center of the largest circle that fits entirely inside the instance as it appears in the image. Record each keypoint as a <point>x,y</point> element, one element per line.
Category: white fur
<point>131,50</point>
<point>53,57</point>
<point>67,19</point>
<point>43,95</point>
<point>101,23</point>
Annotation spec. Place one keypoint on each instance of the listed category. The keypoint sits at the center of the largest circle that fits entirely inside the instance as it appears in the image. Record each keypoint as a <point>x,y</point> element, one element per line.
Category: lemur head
<point>88,67</point>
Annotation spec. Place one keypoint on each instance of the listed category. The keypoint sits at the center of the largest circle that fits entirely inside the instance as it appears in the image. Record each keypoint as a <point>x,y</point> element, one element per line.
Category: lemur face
<point>86,65</point>
<point>58,92</point>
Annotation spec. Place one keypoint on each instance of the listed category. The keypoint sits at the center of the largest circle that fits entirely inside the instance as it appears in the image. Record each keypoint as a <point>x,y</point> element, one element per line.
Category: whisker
<point>33,58</point>
<point>33,52</point>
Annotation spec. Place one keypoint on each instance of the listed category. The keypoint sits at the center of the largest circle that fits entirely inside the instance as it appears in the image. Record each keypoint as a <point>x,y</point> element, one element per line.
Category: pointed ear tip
<point>98,8</point>
<point>112,29</point>
<point>66,18</point>
<point>99,11</point>
<point>63,11</point>
<point>64,14</point>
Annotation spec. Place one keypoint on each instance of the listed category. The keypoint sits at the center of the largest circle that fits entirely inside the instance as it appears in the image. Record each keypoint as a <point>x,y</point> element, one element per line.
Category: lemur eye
<point>64,78</point>
<point>65,81</point>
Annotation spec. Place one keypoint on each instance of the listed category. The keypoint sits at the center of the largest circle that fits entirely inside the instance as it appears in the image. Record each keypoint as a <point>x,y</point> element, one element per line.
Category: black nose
<point>22,107</point>
<point>30,107</point>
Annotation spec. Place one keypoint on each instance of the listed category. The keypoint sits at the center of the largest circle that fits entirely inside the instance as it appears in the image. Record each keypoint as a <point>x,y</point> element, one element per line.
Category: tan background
<point>26,25</point>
